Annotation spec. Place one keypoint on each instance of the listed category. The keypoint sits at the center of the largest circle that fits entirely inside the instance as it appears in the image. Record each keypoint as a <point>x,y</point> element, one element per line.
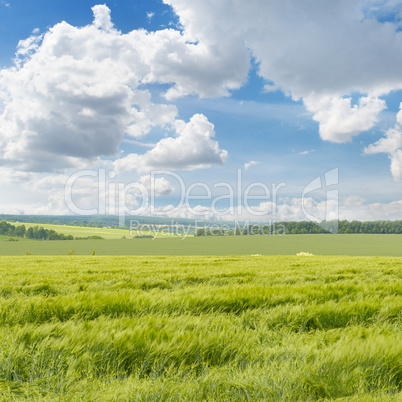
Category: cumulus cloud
<point>320,52</point>
<point>388,144</point>
<point>339,120</point>
<point>159,186</point>
<point>391,144</point>
<point>102,19</point>
<point>74,93</point>
<point>68,100</point>
<point>396,164</point>
<point>192,148</point>
<point>202,68</point>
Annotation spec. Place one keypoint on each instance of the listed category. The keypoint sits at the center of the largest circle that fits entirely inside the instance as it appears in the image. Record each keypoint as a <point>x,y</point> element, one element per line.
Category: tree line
<point>344,227</point>
<point>386,227</point>
<point>304,227</point>
<point>280,228</point>
<point>36,233</point>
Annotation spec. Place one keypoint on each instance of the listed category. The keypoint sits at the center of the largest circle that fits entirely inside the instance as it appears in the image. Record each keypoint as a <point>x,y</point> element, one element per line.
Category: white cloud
<point>251,163</point>
<point>159,186</point>
<point>69,100</point>
<point>205,69</point>
<point>371,211</point>
<point>339,120</point>
<point>193,148</point>
<point>353,201</point>
<point>353,208</point>
<point>306,152</point>
<point>185,212</point>
<point>27,47</point>
<point>391,144</point>
<point>396,164</point>
<point>321,52</point>
<point>388,144</point>
<point>139,143</point>
<point>88,195</point>
<point>102,18</point>
<point>74,93</point>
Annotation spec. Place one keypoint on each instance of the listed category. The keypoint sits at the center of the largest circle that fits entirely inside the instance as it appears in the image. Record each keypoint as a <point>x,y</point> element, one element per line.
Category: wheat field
<point>200,328</point>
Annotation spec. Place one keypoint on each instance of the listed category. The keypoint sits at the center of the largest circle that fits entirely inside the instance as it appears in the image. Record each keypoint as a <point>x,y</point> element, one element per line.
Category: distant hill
<point>100,220</point>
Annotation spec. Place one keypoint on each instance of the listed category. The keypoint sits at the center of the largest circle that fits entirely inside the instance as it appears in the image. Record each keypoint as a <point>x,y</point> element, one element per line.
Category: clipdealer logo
<point>135,198</point>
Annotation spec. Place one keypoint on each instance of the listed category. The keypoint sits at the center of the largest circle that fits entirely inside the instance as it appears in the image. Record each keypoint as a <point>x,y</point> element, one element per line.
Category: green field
<point>81,231</point>
<point>211,328</point>
<point>340,244</point>
<point>7,238</point>
<point>108,233</point>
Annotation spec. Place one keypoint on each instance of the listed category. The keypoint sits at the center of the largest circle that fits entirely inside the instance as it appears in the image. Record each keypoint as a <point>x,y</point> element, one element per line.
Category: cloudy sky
<point>225,93</point>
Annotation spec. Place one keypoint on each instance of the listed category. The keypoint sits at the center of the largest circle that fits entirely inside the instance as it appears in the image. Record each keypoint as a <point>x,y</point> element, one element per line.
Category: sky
<point>204,109</point>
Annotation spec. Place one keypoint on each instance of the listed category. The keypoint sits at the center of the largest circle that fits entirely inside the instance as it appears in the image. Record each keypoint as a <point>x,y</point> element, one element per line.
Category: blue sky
<point>283,92</point>
<point>19,18</point>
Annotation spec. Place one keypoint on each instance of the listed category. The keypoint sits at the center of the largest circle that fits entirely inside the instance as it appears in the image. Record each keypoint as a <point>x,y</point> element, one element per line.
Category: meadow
<point>320,244</point>
<point>81,231</point>
<point>200,328</point>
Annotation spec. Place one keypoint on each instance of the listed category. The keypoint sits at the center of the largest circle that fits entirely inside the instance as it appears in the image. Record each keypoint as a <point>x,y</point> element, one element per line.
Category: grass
<point>10,238</point>
<point>340,244</point>
<point>200,328</point>
<point>85,231</point>
<point>80,231</point>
